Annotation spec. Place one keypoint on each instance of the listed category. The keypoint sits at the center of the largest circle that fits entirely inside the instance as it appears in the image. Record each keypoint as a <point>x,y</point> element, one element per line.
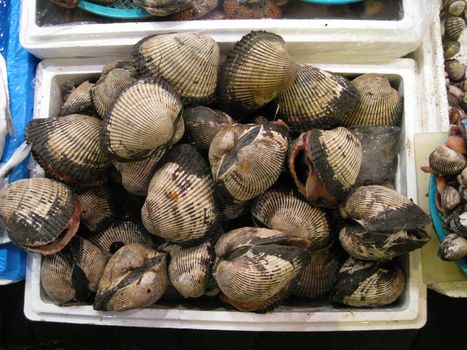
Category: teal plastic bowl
<point>120,9</point>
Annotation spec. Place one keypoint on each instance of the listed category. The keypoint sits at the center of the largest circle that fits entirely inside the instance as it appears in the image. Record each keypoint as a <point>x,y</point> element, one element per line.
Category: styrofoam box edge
<point>320,38</point>
<point>413,315</point>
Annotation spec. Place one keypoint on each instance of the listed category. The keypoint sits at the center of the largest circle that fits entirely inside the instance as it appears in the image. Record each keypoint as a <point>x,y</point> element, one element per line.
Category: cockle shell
<point>453,248</point>
<point>458,223</point>
<point>180,204</point>
<point>162,8</point>
<point>446,161</point>
<point>380,103</point>
<point>79,101</point>
<point>455,70</point>
<point>368,284</point>
<point>68,149</point>
<point>110,66</point>
<point>248,165</point>
<point>198,9</point>
<point>235,9</point>
<point>143,118</point>
<point>242,87</point>
<point>66,3</point>
<point>134,277</point>
<point>454,7</point>
<point>316,99</point>
<point>41,215</point>
<point>378,208</point>
<point>447,198</point>
<point>97,208</point>
<point>454,27</point>
<point>189,62</point>
<point>325,164</point>
<point>450,48</point>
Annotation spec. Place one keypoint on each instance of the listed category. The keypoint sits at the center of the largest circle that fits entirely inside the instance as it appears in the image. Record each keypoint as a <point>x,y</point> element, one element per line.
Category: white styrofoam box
<point>408,312</point>
<point>3,130</point>
<point>325,39</point>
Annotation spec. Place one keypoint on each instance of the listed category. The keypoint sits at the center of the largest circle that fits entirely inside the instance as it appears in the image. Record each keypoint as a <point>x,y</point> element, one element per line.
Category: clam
<point>79,101</point>
<point>107,89</point>
<point>121,233</point>
<point>108,67</point>
<point>325,164</point>
<point>189,62</point>
<point>282,210</point>
<point>247,160</point>
<point>458,223</point>
<point>162,8</point>
<point>451,48</point>
<point>69,4</point>
<point>97,208</point>
<point>380,103</point>
<point>190,268</point>
<point>372,245</point>
<point>202,124</point>
<point>454,7</point>
<point>453,101</point>
<point>229,208</point>
<point>455,70</point>
<point>242,87</point>
<point>453,248</point>
<point>198,9</point>
<point>368,284</point>
<point>180,204</point>
<point>454,27</point>
<point>235,9</point>
<point>144,118</point>
<point>68,149</point>
<point>462,178</point>
<point>134,277</point>
<point>378,208</point>
<point>316,99</point>
<point>447,197</point>
<point>41,215</point>
<point>445,161</point>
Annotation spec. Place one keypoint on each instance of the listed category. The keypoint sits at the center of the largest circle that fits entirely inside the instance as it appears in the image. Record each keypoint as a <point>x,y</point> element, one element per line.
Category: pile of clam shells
<point>257,199</point>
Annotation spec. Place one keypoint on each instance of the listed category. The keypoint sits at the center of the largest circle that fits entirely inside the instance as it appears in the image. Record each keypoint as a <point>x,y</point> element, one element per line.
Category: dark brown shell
<point>380,103</point>
<point>144,118</point>
<point>454,26</point>
<point>198,9</point>
<point>97,208</point>
<point>193,74</point>
<point>41,215</point>
<point>242,89</point>
<point>316,99</point>
<point>446,161</point>
<point>68,149</point>
<point>79,101</point>
<point>162,8</point>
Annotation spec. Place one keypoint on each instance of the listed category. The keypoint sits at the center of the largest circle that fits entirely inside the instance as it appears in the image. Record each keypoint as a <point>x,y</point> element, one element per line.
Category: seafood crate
<point>408,312</point>
<point>321,37</point>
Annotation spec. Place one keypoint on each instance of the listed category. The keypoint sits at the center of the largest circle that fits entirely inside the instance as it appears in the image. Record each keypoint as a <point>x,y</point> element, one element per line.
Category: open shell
<point>97,208</point>
<point>79,101</point>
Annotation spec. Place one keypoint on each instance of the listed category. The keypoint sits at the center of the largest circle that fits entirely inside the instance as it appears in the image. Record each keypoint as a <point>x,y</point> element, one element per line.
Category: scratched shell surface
<point>41,215</point>
<point>79,101</point>
<point>180,205</point>
<point>316,99</point>
<point>97,207</point>
<point>68,149</point>
<point>187,61</point>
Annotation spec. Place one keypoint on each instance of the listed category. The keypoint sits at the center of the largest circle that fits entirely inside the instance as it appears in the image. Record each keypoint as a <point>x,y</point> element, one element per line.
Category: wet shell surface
<point>247,166</point>
<point>282,210</point>
<point>454,26</point>
<point>453,248</point>
<point>180,204</point>
<point>378,208</point>
<point>371,245</point>
<point>234,9</point>
<point>190,268</point>
<point>325,164</point>
<point>163,8</point>
<point>254,73</point>
<point>134,277</point>
<point>144,118</point>
<point>97,208</point>
<point>368,284</point>
<point>198,9</point>
<point>41,215</point>
<point>380,103</point>
<point>79,101</point>
<point>445,161</point>
<point>316,99</point>
<point>68,149</point>
<point>187,61</point>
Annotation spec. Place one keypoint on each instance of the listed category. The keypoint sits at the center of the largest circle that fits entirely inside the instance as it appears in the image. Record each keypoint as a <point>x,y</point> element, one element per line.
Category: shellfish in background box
<point>408,312</point>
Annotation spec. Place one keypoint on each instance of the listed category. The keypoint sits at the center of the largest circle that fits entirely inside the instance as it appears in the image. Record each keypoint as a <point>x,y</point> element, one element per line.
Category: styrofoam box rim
<point>403,36</point>
<point>413,315</point>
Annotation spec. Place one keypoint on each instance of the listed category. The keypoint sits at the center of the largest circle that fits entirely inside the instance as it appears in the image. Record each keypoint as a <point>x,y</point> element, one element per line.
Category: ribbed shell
<point>234,9</point>
<point>319,275</point>
<point>279,209</point>
<point>450,48</point>
<point>378,208</point>
<point>68,148</point>
<point>134,277</point>
<point>108,67</point>
<point>137,175</point>
<point>108,89</point>
<point>180,203</point>
<point>453,248</point>
<point>455,70</point>
<point>380,103</point>
<point>254,73</point>
<point>97,208</point>
<point>458,224</point>
<point>454,7</point>
<point>254,163</point>
<point>446,161</point>
<point>56,278</point>
<point>316,99</point>
<point>257,274</point>
<point>119,234</point>
<point>202,124</point>
<point>163,7</point>
<point>37,211</point>
<point>198,9</point>
<point>190,268</point>
<point>371,245</point>
<point>79,101</point>
<point>453,27</point>
<point>229,208</point>
<point>368,284</point>
<point>449,198</point>
<point>187,61</point>
<point>142,119</point>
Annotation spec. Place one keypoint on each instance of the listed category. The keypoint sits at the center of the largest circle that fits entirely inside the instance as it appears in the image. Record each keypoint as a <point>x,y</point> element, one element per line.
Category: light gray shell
<point>453,248</point>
